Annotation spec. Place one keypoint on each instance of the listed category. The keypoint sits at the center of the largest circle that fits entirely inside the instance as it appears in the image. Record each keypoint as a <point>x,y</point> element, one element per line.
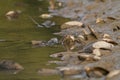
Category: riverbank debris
<point>68,42</point>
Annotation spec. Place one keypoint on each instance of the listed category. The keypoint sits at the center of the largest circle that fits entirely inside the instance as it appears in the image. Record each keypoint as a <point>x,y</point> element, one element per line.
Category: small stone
<point>72,71</point>
<point>88,57</point>
<point>112,74</point>
<point>106,36</point>
<point>102,44</point>
<point>81,36</point>
<point>96,52</point>
<point>48,24</point>
<point>98,20</point>
<point>57,55</point>
<point>12,14</point>
<point>52,42</point>
<point>10,65</point>
<point>35,42</point>
<point>96,72</point>
<point>46,16</point>
<point>71,24</point>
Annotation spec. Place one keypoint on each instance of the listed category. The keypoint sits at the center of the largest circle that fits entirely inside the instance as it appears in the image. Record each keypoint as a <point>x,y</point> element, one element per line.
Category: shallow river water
<point>19,33</point>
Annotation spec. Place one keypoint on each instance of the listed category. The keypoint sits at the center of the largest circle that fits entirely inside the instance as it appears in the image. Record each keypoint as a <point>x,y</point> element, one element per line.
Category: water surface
<point>18,35</point>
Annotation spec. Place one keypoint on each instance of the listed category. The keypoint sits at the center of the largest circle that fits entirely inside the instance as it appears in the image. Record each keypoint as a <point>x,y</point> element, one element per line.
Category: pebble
<point>46,16</point>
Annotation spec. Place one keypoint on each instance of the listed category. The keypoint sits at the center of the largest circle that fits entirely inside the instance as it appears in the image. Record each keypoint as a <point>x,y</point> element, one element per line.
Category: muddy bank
<point>103,17</point>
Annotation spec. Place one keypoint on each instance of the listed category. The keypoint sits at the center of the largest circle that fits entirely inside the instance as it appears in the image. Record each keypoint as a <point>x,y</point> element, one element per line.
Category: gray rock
<point>95,47</point>
<point>52,42</point>
<point>39,43</point>
<point>48,24</point>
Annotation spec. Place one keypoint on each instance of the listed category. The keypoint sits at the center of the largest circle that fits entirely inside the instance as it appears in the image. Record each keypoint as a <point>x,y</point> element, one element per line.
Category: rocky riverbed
<point>96,19</point>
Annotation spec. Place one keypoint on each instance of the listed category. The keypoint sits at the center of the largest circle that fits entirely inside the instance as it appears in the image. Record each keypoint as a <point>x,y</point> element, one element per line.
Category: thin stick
<point>35,22</point>
<point>93,32</point>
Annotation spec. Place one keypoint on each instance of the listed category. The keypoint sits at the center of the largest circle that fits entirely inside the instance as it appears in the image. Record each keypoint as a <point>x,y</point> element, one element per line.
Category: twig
<point>93,32</point>
<point>35,22</point>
